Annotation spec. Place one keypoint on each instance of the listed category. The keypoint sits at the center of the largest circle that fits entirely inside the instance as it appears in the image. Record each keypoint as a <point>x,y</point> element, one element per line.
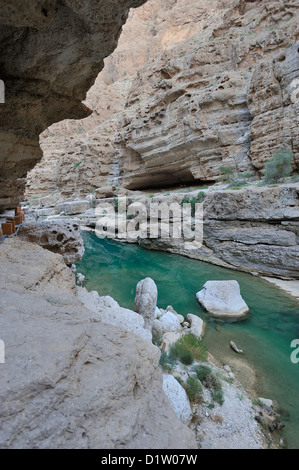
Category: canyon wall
<point>254,230</point>
<point>209,84</point>
<point>51,54</point>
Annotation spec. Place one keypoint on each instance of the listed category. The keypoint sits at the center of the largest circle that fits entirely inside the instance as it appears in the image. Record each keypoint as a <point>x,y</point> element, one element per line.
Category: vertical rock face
<point>51,53</point>
<point>207,86</point>
<point>254,229</point>
<point>274,104</point>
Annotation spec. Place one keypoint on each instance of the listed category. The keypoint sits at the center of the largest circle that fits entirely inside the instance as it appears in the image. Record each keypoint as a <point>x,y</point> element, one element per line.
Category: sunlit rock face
<point>51,54</point>
<point>189,96</point>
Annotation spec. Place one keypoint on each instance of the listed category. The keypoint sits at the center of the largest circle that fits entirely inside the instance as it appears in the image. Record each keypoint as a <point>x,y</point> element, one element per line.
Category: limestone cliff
<point>255,230</point>
<point>51,54</point>
<point>208,85</point>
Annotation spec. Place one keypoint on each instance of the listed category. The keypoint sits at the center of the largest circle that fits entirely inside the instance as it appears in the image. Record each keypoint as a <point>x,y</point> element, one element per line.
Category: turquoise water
<point>114,269</point>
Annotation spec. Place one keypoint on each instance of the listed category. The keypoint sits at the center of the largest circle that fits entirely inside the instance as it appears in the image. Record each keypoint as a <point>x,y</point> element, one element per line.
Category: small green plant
<point>214,385</point>
<point>200,197</point>
<point>185,200</point>
<point>227,174</point>
<point>166,362</point>
<point>77,165</point>
<point>187,358</point>
<point>239,181</point>
<point>115,203</point>
<point>211,406</point>
<point>202,371</point>
<point>217,395</point>
<point>257,402</point>
<point>279,166</point>
<point>193,389</point>
<point>191,343</point>
<point>195,200</point>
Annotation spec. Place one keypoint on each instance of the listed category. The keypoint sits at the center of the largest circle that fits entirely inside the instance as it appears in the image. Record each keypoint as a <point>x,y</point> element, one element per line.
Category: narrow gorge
<point>150,159</point>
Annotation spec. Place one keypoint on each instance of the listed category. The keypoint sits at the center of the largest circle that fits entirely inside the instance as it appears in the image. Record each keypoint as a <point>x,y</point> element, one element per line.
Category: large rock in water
<point>146,301</point>
<point>71,380</point>
<point>223,299</point>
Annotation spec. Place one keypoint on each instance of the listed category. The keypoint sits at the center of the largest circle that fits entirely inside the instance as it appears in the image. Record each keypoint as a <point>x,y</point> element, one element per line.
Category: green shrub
<point>185,200</point>
<point>166,362</point>
<point>195,200</point>
<point>191,344</point>
<point>214,385</point>
<point>193,389</point>
<point>200,197</point>
<point>115,203</point>
<point>279,166</point>
<point>217,395</point>
<point>187,358</point>
<point>239,181</point>
<point>202,372</point>
<point>227,174</point>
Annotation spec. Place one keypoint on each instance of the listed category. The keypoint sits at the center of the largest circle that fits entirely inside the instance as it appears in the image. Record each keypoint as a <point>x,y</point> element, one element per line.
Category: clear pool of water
<point>114,269</point>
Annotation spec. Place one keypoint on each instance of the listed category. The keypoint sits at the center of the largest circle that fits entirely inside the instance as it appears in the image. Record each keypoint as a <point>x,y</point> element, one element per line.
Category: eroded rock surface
<point>254,229</point>
<point>58,236</point>
<point>209,85</point>
<point>70,380</point>
<point>51,54</point>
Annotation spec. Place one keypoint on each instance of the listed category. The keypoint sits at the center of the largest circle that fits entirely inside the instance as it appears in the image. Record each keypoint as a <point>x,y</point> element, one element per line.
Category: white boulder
<point>197,325</point>
<point>172,310</point>
<point>158,313</point>
<point>146,301</point>
<point>157,327</point>
<point>177,397</point>
<point>223,299</point>
<point>170,322</point>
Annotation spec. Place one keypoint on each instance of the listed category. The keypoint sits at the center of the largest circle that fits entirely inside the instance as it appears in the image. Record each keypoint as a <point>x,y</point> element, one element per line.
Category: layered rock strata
<point>254,229</point>
<point>210,85</point>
